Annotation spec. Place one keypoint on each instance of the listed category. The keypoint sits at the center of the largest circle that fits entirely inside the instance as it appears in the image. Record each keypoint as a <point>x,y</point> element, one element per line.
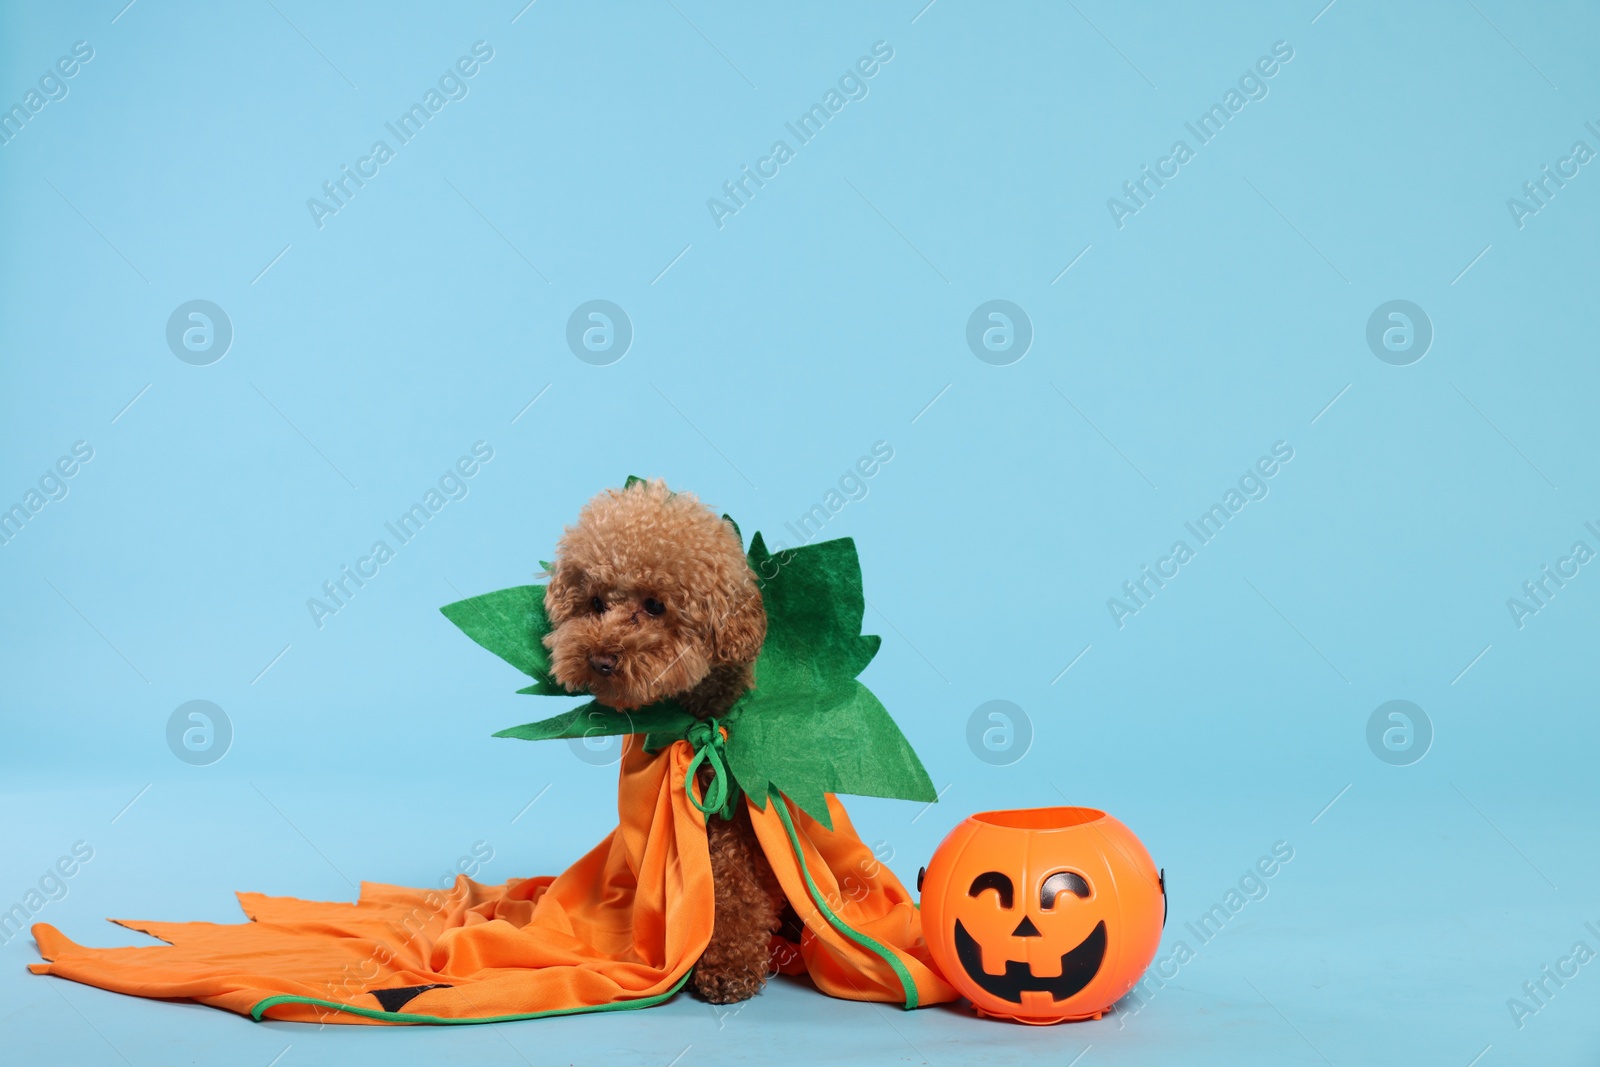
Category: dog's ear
<point>743,626</point>
<point>561,595</point>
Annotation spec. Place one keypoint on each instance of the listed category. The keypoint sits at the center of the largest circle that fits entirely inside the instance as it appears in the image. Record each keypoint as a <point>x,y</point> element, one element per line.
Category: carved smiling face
<point>993,915</point>
<point>1042,914</point>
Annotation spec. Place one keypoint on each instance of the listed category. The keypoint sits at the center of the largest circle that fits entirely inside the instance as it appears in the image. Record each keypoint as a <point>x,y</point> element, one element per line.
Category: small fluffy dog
<point>650,597</point>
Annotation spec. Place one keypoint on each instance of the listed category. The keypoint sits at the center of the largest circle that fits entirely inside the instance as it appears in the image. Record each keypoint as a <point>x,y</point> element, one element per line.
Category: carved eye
<point>597,605</point>
<point>996,881</point>
<point>1062,882</point>
<point>654,606</point>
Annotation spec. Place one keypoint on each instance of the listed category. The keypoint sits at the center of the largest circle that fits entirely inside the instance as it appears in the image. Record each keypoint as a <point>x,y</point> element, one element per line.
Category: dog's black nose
<point>603,662</point>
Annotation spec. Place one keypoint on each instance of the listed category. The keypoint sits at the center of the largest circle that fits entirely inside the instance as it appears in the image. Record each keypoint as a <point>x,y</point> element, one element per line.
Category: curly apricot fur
<point>632,551</point>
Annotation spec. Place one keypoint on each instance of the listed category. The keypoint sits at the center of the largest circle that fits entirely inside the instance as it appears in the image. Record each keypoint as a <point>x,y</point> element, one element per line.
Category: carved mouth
<point>1078,968</point>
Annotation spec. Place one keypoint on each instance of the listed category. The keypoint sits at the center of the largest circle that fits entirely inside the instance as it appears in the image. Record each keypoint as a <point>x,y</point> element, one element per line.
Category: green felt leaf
<point>545,688</point>
<point>634,479</point>
<point>594,719</point>
<point>809,744</point>
<point>814,595</point>
<point>510,623</point>
<point>808,728</point>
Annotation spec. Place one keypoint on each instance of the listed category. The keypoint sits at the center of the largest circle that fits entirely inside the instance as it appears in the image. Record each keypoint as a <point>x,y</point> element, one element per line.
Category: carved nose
<point>1025,928</point>
<point>603,662</point>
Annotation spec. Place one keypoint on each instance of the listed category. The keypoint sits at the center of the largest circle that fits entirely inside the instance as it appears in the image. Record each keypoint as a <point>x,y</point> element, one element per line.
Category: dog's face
<point>649,591</point>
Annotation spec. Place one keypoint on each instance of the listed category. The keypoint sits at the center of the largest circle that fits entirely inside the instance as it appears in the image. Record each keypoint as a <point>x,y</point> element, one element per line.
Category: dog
<point>650,597</point>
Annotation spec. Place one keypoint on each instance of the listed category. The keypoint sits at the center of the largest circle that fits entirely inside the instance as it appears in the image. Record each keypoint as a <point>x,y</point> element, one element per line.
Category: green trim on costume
<point>260,1008</point>
<point>907,983</point>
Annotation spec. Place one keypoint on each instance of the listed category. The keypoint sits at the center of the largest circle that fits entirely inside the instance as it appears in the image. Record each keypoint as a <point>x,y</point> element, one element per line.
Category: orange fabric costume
<point>621,928</point>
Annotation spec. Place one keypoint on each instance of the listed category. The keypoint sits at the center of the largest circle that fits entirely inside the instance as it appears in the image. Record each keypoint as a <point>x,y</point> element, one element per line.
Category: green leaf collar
<point>808,728</point>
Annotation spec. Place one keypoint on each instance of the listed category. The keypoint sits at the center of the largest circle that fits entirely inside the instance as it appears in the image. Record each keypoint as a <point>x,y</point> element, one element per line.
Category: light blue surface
<point>829,313</point>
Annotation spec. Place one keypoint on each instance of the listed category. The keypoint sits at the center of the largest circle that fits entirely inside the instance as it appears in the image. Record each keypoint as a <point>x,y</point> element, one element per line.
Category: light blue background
<point>823,317</point>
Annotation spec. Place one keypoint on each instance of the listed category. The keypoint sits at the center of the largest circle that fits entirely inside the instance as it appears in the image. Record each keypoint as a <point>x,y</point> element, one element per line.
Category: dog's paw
<point>727,987</point>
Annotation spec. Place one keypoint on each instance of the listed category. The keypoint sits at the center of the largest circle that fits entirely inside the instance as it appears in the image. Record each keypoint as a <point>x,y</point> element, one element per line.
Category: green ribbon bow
<point>709,747</point>
<point>808,728</point>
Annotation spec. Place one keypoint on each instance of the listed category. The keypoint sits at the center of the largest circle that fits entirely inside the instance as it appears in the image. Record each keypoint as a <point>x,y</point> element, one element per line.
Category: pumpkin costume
<point>623,926</point>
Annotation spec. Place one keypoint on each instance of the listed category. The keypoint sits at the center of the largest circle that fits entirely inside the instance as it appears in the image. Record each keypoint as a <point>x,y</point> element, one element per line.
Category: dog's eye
<point>654,606</point>
<point>598,605</point>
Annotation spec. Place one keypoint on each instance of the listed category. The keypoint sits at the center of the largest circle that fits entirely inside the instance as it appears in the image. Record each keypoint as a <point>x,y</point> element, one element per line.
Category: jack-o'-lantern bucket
<point>1042,915</point>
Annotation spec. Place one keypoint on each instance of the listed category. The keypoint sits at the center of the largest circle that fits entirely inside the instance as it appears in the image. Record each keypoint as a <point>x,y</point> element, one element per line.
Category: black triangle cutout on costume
<point>790,928</point>
<point>395,999</point>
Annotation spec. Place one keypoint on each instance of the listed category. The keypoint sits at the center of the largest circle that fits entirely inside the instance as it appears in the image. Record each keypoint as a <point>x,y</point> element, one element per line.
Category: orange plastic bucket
<point>1042,915</point>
